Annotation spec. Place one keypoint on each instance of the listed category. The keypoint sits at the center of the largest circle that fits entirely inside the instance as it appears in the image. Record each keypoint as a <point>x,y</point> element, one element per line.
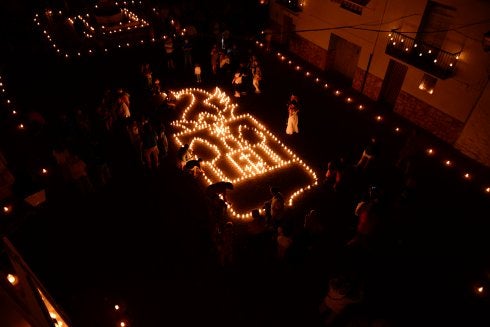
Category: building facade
<point>425,60</point>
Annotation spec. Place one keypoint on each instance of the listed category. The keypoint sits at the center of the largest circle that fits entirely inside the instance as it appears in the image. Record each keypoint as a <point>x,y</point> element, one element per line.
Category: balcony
<point>354,6</point>
<point>295,6</point>
<point>431,60</point>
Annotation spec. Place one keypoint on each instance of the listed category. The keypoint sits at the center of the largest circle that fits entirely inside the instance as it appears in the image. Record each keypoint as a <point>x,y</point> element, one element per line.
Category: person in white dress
<point>292,126</point>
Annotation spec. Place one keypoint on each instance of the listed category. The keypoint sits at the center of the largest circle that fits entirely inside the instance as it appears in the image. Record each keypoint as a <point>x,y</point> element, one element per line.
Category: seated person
<point>184,154</point>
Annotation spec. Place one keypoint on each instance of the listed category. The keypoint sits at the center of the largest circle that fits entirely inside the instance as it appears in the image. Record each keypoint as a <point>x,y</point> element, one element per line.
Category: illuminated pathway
<point>238,149</point>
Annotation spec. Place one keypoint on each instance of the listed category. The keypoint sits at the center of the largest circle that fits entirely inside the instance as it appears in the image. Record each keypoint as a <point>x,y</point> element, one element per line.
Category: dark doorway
<point>343,58</point>
<point>288,29</point>
<point>392,83</point>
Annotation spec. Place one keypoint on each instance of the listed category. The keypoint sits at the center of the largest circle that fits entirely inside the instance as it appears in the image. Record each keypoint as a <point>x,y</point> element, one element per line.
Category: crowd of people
<point>127,133</point>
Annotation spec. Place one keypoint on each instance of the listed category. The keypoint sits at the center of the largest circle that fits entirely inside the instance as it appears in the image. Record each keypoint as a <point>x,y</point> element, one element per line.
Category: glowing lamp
<point>44,171</point>
<point>116,307</point>
<point>12,279</point>
<point>467,176</point>
<point>448,163</point>
<point>430,151</point>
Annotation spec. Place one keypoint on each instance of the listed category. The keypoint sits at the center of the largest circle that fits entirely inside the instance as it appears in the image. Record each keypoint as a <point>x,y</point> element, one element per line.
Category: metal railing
<point>430,59</point>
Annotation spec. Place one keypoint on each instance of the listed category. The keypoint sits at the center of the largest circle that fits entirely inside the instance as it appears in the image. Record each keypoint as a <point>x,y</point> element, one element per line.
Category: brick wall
<point>429,118</point>
<point>372,86</point>
<point>312,53</point>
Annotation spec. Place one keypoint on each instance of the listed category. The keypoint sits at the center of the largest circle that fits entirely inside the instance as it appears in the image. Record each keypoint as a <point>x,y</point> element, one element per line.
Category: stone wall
<point>429,118</point>
<point>372,86</point>
<point>310,52</point>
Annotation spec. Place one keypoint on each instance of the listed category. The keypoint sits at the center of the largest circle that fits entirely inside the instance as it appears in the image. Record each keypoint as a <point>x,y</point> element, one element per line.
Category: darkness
<point>144,241</point>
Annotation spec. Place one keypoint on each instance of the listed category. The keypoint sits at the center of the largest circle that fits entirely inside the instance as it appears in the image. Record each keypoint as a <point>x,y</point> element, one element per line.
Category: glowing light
<point>234,148</point>
<point>349,100</point>
<point>12,279</point>
<point>480,289</point>
<point>379,118</point>
<point>116,307</point>
<point>448,163</point>
<point>360,107</point>
<point>44,171</point>
<point>487,190</point>
<point>397,129</point>
<point>337,92</point>
<point>7,209</point>
<point>430,151</point>
<point>122,324</point>
<point>467,176</point>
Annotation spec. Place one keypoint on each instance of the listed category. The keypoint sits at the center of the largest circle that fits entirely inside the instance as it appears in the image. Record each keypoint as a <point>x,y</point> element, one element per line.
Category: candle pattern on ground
<point>238,149</point>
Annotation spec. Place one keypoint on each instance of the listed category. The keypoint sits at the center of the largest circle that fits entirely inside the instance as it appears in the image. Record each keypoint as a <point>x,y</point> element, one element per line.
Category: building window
<point>428,83</point>
<point>354,6</point>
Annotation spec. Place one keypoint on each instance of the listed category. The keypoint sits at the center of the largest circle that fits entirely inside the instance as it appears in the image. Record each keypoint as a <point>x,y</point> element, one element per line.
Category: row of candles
<point>243,156</point>
<point>479,288</point>
<point>20,125</point>
<point>8,209</point>
<point>431,151</point>
<point>135,23</point>
<point>89,32</point>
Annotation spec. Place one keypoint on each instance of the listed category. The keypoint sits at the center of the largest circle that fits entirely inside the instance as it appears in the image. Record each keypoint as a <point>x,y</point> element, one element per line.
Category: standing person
<point>187,50</point>
<point>197,72</point>
<point>237,83</point>
<point>292,126</point>
<point>162,140</point>
<point>214,59</point>
<point>169,51</point>
<point>257,77</point>
<point>149,140</point>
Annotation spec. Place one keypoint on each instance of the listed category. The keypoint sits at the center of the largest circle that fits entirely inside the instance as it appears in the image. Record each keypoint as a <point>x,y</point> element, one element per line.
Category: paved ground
<point>144,241</point>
